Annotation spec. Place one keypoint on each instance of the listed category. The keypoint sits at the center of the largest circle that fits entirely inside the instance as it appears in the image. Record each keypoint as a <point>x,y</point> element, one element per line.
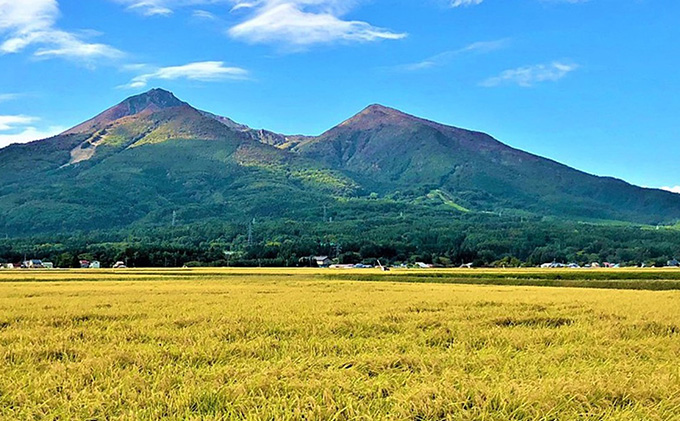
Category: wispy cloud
<point>447,56</point>
<point>163,7</point>
<point>8,122</point>
<point>205,71</point>
<point>149,7</point>
<point>529,76</point>
<point>463,3</point>
<point>203,14</point>
<point>32,23</point>
<point>29,134</point>
<point>458,3</point>
<point>9,97</point>
<point>675,189</point>
<point>565,1</point>
<point>294,24</point>
<point>302,23</point>
<point>20,129</point>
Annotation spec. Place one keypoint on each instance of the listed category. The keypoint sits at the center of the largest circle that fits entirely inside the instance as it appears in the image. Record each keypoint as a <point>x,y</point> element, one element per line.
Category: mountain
<point>387,151</point>
<point>149,157</point>
<point>154,156</point>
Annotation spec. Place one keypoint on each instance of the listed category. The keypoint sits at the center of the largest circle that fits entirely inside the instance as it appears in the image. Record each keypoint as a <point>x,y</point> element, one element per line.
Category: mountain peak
<point>151,101</point>
<point>379,109</point>
<point>375,115</point>
<point>156,98</point>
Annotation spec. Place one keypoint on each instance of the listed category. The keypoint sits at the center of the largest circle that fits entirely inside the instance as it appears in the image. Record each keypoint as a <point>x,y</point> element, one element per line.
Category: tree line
<point>480,239</point>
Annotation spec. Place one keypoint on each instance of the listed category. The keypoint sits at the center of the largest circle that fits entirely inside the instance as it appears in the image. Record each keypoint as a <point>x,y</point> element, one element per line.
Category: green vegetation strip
<point>633,284</point>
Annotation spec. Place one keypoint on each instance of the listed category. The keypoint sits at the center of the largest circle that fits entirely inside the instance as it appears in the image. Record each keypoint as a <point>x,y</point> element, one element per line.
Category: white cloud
<point>8,122</point>
<point>203,14</point>
<point>20,129</point>
<point>163,7</point>
<point>293,23</point>
<point>206,71</point>
<point>28,23</point>
<point>443,58</point>
<point>301,23</point>
<point>9,97</point>
<point>151,8</point>
<point>528,76</point>
<point>675,189</point>
<point>458,3</point>
<point>29,134</point>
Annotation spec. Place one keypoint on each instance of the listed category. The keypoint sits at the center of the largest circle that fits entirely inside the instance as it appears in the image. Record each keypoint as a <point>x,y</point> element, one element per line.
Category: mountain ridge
<point>154,152</point>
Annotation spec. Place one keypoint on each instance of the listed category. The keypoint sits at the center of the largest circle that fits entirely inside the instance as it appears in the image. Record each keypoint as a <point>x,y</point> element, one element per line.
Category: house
<point>422,265</point>
<point>119,265</point>
<point>84,264</point>
<point>466,265</point>
<point>48,265</point>
<point>34,264</point>
<point>322,261</point>
<point>673,263</point>
<point>95,265</point>
<point>553,265</point>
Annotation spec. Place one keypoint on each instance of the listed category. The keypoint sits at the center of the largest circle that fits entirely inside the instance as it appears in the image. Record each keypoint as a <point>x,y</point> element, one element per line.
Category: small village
<point>328,263</point>
<point>39,264</point>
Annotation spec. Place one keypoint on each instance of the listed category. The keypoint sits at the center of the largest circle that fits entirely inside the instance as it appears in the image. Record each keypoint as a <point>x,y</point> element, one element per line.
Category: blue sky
<point>591,83</point>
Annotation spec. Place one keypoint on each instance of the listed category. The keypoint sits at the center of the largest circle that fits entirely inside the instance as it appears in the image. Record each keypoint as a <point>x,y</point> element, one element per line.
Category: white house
<point>34,264</point>
<point>322,261</point>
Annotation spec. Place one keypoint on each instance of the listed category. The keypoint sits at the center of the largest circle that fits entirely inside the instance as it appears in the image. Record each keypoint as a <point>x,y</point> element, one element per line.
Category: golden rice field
<point>312,345</point>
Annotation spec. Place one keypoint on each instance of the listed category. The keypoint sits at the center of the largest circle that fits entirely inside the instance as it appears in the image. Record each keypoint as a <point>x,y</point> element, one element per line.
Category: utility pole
<point>250,232</point>
<point>174,218</point>
<point>228,254</point>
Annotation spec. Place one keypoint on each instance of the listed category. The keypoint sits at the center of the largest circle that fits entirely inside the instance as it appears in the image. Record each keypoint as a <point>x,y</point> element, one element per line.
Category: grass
<point>296,344</point>
<point>629,278</point>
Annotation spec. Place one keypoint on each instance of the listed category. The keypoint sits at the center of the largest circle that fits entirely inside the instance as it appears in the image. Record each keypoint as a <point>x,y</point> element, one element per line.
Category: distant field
<point>628,278</point>
<point>314,344</point>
